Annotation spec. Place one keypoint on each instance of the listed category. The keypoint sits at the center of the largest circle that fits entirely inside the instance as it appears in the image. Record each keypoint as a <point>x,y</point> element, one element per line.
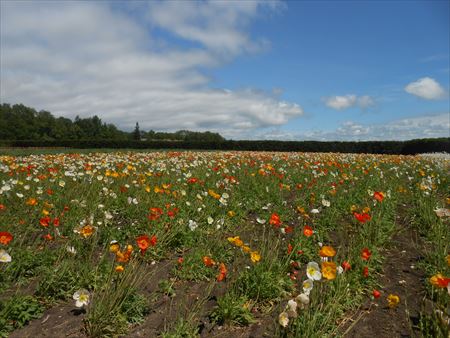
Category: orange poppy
<point>208,261</point>
<point>379,196</point>
<point>327,251</point>
<point>222,272</point>
<point>308,231</point>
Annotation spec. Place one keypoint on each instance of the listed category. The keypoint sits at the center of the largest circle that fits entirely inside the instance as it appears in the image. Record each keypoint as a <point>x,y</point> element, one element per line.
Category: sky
<point>287,70</point>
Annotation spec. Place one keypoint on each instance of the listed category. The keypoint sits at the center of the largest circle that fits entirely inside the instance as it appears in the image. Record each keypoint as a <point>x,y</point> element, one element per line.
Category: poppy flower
<point>45,221</point>
<point>87,231</point>
<point>363,217</point>
<point>81,298</point>
<point>124,256</point>
<point>143,243</point>
<point>222,272</point>
<point>393,300</point>
<point>4,256</point>
<point>307,286</point>
<point>439,281</point>
<point>376,294</point>
<point>48,237</point>
<point>119,268</point>
<point>308,231</point>
<point>31,201</point>
<point>346,266</point>
<point>255,256</point>
<point>2,207</point>
<point>329,270</point>
<point>114,247</point>
<point>5,237</point>
<point>327,251</point>
<point>283,319</point>
<point>236,241</point>
<point>275,220</point>
<point>290,248</point>
<point>313,271</point>
<point>56,221</point>
<point>208,261</point>
<point>365,272</point>
<point>379,196</point>
<point>365,254</point>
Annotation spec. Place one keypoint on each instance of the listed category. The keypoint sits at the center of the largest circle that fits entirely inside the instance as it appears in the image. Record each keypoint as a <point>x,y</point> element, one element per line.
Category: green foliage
<point>183,329</point>
<point>264,281</point>
<point>17,312</point>
<point>135,307</point>
<point>232,309</point>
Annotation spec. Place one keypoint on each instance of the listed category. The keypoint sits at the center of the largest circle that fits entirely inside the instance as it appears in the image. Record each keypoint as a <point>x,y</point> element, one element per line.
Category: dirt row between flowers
<point>401,276</point>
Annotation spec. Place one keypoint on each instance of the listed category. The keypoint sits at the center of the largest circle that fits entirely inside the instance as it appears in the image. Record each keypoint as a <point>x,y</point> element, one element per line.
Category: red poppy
<point>308,231</point>
<point>365,254</point>
<point>346,266</point>
<point>363,217</point>
<point>45,221</point>
<point>275,220</point>
<point>2,207</point>
<point>288,229</point>
<point>180,260</point>
<point>56,221</point>
<point>365,272</point>
<point>376,293</point>
<point>192,180</point>
<point>153,240</point>
<point>289,250</point>
<point>5,237</point>
<point>48,237</point>
<point>172,213</point>
<point>379,196</point>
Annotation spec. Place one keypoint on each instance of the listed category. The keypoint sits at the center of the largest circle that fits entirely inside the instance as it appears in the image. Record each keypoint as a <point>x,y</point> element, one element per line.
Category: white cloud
<point>86,58</point>
<point>426,88</point>
<point>347,101</point>
<point>428,126</point>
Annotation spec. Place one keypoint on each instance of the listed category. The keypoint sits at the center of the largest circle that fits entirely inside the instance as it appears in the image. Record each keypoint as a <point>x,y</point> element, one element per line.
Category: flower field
<point>224,244</point>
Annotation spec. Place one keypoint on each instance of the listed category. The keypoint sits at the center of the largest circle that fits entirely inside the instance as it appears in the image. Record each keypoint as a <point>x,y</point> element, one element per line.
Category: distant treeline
<point>22,126</point>
<point>371,147</point>
<point>18,122</point>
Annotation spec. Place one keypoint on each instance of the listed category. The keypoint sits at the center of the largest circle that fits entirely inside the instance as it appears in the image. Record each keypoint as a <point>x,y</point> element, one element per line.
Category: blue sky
<point>325,70</point>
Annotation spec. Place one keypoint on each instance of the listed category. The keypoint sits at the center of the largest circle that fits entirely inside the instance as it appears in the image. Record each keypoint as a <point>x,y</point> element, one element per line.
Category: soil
<point>400,277</point>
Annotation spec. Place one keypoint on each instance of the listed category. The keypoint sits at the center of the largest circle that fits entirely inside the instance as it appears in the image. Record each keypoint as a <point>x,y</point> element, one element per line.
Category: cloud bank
<point>427,126</point>
<point>85,58</point>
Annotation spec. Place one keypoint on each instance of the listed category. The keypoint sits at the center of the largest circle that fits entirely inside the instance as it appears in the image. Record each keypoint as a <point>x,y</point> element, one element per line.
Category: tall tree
<point>137,132</point>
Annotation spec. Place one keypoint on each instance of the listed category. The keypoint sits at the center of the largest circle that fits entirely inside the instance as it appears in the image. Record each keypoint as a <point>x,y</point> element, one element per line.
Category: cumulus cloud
<point>347,101</point>
<point>426,88</point>
<point>85,58</point>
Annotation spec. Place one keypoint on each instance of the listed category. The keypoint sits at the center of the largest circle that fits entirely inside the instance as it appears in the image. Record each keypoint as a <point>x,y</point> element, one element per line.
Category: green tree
<point>137,132</point>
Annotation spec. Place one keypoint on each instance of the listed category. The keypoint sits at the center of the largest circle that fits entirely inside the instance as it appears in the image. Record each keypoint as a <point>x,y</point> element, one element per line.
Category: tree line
<point>18,122</point>
<point>22,126</point>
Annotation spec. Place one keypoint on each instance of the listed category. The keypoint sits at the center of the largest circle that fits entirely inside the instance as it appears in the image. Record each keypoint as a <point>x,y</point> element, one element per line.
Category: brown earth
<point>400,277</point>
